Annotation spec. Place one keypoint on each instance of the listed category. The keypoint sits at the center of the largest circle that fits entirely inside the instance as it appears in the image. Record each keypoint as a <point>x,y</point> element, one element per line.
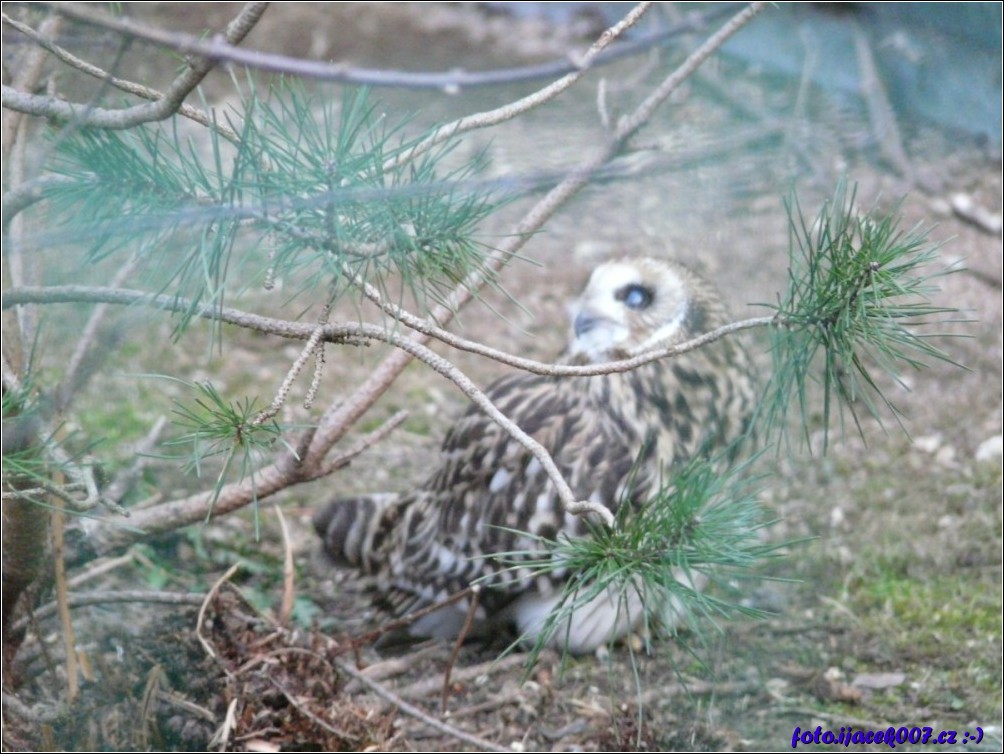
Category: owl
<point>614,437</point>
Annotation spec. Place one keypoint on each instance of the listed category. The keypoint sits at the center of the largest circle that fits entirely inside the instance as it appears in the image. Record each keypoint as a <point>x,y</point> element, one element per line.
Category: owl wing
<point>491,496</point>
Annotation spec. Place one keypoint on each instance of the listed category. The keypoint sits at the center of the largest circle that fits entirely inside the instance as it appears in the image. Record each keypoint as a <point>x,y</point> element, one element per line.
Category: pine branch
<point>44,41</point>
<point>220,51</point>
<point>338,419</point>
<point>90,116</point>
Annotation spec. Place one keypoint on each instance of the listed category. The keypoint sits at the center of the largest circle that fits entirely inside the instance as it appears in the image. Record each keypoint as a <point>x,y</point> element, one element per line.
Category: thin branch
<point>74,378</point>
<point>131,87</point>
<point>452,81</point>
<point>347,331</point>
<point>343,459</point>
<point>411,346</point>
<point>551,370</point>
<point>100,569</point>
<point>123,480</point>
<point>29,70</point>
<point>313,343</point>
<point>520,106</point>
<point>440,365</point>
<point>425,686</point>
<point>85,599</point>
<point>406,620</point>
<point>324,724</point>
<point>288,571</point>
<point>28,193</point>
<point>472,610</point>
<point>628,126</point>
<point>445,368</point>
<point>885,130</point>
<point>337,420</point>
<point>89,116</point>
<point>409,709</point>
<point>205,606</point>
<point>58,520</point>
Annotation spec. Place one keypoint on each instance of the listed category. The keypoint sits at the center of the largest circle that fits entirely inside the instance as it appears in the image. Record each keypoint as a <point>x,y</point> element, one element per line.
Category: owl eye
<point>635,296</point>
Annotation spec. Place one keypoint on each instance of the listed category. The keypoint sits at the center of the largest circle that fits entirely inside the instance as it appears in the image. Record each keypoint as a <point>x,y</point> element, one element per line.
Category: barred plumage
<point>612,436</point>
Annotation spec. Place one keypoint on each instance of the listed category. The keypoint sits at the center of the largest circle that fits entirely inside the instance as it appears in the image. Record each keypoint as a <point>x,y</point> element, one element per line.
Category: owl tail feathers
<point>353,528</point>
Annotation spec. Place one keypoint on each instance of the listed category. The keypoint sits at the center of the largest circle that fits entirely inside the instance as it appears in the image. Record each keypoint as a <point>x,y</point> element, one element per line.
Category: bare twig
<point>63,604</point>
<point>25,194</point>
<point>551,370</point>
<point>472,610</point>
<point>29,71</point>
<point>99,569</point>
<point>310,715</point>
<point>186,110</point>
<point>406,620</point>
<point>628,126</point>
<point>336,421</point>
<point>885,130</point>
<point>410,346</point>
<point>393,666</point>
<point>119,486</point>
<point>343,459</point>
<point>344,331</point>
<point>221,738</point>
<point>90,116</point>
<point>288,571</point>
<point>84,599</point>
<point>409,709</point>
<point>422,688</point>
<point>205,606</point>
<point>313,344</point>
<point>520,106</point>
<point>150,692</point>
<point>220,51</point>
<point>74,378</point>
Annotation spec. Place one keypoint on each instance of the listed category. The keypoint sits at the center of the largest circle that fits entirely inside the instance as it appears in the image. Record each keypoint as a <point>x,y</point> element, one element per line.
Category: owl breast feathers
<point>614,437</point>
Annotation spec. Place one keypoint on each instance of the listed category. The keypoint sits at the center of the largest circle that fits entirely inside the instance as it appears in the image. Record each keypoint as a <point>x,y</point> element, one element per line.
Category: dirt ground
<point>887,613</point>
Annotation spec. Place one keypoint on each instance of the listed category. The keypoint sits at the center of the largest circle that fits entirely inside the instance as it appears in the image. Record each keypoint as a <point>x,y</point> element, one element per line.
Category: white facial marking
<point>664,333</point>
<point>599,301</point>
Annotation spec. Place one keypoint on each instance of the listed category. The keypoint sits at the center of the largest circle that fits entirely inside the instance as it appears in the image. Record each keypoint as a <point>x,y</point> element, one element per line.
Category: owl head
<point>634,305</point>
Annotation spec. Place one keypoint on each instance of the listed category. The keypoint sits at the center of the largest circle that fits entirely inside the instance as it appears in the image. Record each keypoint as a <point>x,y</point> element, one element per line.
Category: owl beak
<point>586,322</point>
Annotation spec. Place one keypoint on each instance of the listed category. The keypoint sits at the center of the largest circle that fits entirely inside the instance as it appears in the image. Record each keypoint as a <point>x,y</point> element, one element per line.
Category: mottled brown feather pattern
<point>606,434</point>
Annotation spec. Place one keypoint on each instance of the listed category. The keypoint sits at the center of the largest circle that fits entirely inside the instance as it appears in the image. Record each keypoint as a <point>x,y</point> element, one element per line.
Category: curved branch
<point>220,51</point>
<point>628,126</point>
<point>384,693</point>
<point>190,112</point>
<point>347,331</point>
<point>538,367</point>
<point>513,109</point>
<point>338,333</point>
<point>88,116</point>
<point>411,346</point>
<point>335,423</point>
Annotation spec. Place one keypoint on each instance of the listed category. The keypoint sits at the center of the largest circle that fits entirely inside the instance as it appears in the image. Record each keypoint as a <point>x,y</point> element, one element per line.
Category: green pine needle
<point>703,523</point>
<point>859,289</point>
<point>218,428</point>
<point>319,181</point>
